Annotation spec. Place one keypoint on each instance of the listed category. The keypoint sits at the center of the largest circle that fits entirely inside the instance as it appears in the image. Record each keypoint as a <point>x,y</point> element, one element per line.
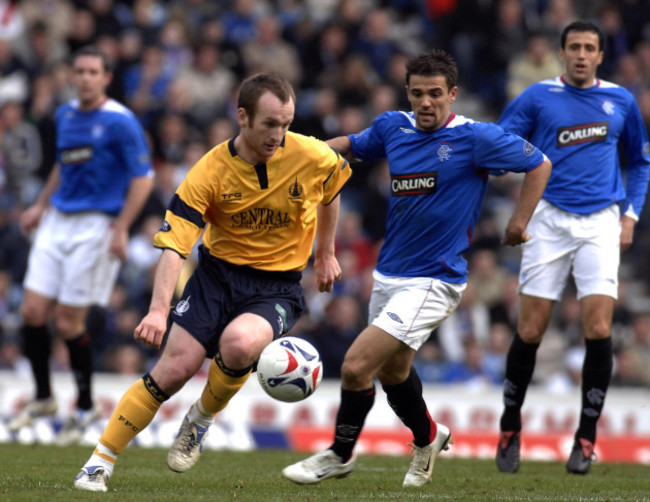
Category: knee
<point>597,329</point>
<point>32,315</point>
<point>171,375</point>
<point>353,374</point>
<point>239,352</point>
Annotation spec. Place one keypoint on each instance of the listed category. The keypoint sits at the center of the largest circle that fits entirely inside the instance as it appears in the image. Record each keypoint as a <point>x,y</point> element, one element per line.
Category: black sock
<point>596,374</point>
<point>355,406</point>
<point>37,348</point>
<point>81,362</point>
<point>520,364</point>
<point>408,404</point>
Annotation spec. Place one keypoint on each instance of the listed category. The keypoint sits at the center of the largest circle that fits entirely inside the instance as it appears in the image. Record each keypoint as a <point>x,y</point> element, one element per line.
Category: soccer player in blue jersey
<point>439,165</point>
<point>584,220</point>
<point>102,178</point>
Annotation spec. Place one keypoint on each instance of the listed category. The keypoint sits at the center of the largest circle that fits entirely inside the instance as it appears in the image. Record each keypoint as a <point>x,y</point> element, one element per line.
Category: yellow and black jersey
<point>262,216</point>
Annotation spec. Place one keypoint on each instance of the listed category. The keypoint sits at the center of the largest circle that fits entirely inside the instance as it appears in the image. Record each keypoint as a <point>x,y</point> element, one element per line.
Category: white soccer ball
<point>289,369</point>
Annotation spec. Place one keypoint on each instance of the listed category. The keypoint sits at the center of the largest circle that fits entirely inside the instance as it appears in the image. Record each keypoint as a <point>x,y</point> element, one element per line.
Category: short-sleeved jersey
<point>262,216</point>
<point>580,131</point>
<point>99,152</point>
<point>438,182</point>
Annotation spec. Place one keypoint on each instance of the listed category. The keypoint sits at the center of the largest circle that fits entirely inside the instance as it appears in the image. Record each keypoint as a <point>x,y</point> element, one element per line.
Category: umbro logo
<point>407,131</point>
<point>394,317</point>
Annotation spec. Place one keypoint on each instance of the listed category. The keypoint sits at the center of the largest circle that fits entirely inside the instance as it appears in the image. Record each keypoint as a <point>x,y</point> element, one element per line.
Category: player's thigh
<point>90,270</point>
<point>46,258</point>
<point>596,262</point>
<point>547,257</point>
<point>410,308</point>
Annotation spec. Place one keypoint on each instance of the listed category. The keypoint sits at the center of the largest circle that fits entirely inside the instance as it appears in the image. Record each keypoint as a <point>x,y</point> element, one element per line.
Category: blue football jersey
<point>99,152</point>
<point>580,131</point>
<point>438,182</point>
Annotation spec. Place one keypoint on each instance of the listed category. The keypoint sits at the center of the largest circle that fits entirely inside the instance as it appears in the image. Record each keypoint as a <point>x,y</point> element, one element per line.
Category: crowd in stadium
<point>177,66</point>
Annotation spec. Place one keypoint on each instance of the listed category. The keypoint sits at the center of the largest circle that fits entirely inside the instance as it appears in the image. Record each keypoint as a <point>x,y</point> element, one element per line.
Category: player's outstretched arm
<point>326,265</point>
<point>151,329</point>
<point>531,192</point>
<point>30,219</point>
<point>342,145</point>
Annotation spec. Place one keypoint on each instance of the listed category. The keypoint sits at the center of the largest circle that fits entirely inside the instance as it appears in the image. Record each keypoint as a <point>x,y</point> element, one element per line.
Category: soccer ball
<point>289,369</point>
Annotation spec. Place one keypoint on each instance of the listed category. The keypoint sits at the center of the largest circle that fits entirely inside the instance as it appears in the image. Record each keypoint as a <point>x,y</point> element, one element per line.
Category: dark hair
<point>582,26</point>
<point>91,50</point>
<point>436,62</point>
<point>253,87</point>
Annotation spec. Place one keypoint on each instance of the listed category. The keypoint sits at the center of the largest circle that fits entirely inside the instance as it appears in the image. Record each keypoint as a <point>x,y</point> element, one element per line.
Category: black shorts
<point>219,291</point>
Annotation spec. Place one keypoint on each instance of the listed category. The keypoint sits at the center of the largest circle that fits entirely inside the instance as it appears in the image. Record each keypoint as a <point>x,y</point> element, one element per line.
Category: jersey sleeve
<point>634,140</point>
<point>339,174</point>
<point>184,218</point>
<point>368,145</point>
<point>135,151</point>
<point>497,150</point>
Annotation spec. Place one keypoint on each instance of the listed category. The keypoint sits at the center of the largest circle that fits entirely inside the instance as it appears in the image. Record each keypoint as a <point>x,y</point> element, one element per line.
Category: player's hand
<point>515,234</point>
<point>627,232</point>
<point>151,329</point>
<point>30,218</point>
<point>327,271</point>
<point>119,242</point>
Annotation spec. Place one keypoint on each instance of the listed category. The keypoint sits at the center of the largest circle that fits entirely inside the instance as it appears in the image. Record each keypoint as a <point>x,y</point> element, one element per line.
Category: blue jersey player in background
<point>585,219</point>
<point>101,181</point>
<point>439,165</point>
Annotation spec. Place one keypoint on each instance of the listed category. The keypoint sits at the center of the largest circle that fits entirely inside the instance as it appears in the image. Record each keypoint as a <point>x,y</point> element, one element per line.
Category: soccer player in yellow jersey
<point>261,198</point>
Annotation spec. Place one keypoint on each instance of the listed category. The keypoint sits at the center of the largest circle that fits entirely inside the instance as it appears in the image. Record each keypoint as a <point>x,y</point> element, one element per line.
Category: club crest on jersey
<point>295,191</point>
<point>529,149</point>
<point>444,151</point>
<point>165,227</point>
<point>414,184</point>
<point>77,155</point>
<point>97,130</point>
<point>584,133</point>
<point>608,106</point>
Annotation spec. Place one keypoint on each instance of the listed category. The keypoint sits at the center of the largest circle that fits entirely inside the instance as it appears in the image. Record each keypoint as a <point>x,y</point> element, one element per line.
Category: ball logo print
<point>289,369</point>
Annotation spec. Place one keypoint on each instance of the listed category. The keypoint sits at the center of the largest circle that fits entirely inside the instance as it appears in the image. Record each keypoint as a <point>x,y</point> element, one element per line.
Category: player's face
<point>90,79</point>
<point>261,136</point>
<point>430,100</point>
<point>581,58</point>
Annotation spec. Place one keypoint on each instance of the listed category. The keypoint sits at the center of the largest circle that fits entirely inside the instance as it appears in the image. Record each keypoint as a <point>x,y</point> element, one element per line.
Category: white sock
<point>199,415</point>
<point>103,456</point>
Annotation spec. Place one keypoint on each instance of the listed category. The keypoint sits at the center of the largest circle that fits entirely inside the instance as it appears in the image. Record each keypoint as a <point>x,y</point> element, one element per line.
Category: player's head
<point>93,51</point>
<point>265,110</point>
<point>431,88</point>
<point>91,75</point>
<point>582,27</point>
<point>582,51</point>
<point>430,64</point>
<point>255,86</point>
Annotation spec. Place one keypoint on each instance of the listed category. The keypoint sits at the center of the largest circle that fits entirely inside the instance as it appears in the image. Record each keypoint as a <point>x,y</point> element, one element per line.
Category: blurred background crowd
<point>177,66</point>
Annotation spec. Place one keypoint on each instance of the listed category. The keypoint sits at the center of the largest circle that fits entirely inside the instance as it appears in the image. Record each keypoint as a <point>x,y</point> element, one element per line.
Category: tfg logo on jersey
<point>414,184</point>
<point>584,133</point>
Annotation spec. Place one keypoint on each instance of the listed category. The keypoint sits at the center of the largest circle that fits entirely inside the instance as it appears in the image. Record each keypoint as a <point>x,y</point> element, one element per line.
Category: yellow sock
<point>133,413</point>
<point>222,385</point>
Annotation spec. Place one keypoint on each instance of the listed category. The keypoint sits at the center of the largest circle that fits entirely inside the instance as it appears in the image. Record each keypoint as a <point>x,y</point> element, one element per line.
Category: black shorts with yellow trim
<point>218,292</point>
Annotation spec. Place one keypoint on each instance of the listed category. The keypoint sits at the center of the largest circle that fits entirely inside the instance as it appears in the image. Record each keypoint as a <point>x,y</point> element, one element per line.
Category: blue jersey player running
<point>101,181</point>
<point>439,165</point>
<point>586,217</point>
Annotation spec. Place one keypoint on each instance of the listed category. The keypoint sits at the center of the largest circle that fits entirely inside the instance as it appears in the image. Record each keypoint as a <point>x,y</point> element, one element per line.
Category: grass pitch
<point>46,473</point>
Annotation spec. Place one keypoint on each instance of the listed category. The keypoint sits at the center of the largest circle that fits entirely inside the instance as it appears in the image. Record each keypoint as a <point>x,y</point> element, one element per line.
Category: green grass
<point>45,473</point>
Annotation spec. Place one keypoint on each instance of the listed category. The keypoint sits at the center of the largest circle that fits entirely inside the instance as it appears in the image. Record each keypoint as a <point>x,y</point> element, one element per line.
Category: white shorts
<point>70,260</point>
<point>588,246</point>
<point>410,308</point>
